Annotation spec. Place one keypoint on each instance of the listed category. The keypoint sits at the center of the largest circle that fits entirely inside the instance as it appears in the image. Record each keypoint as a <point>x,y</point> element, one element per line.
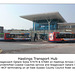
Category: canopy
<point>44,16</point>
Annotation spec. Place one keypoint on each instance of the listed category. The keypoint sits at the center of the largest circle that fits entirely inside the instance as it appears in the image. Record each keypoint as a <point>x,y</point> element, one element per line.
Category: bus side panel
<point>5,38</point>
<point>17,37</point>
<point>51,37</point>
<point>57,39</point>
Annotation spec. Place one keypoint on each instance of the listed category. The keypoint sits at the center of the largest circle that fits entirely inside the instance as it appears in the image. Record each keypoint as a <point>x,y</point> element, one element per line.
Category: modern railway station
<point>46,26</point>
<point>48,22</point>
<point>43,25</point>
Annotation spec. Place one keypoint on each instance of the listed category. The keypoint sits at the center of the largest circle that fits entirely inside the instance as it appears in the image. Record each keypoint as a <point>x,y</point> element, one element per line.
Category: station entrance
<point>41,36</point>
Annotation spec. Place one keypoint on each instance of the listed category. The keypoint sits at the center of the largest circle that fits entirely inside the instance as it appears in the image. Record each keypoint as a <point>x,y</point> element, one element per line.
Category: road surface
<point>37,48</point>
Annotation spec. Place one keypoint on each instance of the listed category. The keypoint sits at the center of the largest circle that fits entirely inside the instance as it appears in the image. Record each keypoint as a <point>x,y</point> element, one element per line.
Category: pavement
<point>36,48</point>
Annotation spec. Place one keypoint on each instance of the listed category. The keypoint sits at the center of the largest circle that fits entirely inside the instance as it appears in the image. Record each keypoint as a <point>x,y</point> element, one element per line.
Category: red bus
<point>61,37</point>
<point>17,37</point>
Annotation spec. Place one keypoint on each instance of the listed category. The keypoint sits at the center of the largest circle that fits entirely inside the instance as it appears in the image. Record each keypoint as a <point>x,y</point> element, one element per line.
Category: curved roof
<point>44,16</point>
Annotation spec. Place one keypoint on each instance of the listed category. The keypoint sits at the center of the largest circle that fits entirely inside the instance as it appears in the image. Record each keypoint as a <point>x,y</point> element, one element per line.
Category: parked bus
<point>15,37</point>
<point>61,37</point>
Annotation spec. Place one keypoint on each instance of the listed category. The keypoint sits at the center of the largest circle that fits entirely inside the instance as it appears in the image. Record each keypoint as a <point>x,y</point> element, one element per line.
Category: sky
<point>10,13</point>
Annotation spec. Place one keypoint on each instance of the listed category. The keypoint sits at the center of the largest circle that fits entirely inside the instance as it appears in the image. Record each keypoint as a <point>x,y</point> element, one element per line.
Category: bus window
<point>12,35</point>
<point>26,35</point>
<point>1,35</point>
<point>7,35</point>
<point>21,35</point>
<point>72,35</point>
<point>17,36</point>
<point>57,35</point>
<point>67,35</point>
<point>64,35</point>
<point>61,35</point>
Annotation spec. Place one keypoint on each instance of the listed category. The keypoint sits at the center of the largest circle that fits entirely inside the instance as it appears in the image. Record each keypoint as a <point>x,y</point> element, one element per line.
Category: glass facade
<point>43,25</point>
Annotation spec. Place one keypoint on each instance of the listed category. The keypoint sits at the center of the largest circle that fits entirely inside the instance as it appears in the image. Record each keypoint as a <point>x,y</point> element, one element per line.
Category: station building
<point>1,29</point>
<point>49,22</point>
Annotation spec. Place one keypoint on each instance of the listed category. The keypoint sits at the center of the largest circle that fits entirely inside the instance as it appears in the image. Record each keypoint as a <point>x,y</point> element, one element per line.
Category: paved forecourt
<point>36,47</point>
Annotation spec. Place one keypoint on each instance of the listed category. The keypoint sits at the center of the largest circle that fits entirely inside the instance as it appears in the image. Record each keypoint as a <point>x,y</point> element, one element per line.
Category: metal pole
<point>49,21</point>
<point>48,26</point>
<point>44,30</point>
<point>34,32</point>
<point>70,26</point>
<point>34,27</point>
